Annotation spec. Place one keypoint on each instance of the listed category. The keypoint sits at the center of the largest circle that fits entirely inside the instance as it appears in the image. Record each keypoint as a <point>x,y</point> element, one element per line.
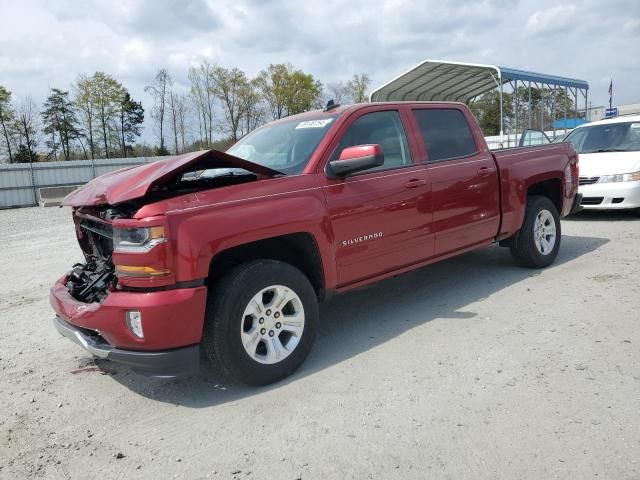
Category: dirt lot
<point>472,368</point>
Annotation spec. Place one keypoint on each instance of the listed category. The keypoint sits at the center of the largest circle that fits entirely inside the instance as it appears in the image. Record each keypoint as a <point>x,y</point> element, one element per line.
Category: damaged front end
<point>116,197</point>
<point>124,302</point>
<point>92,280</point>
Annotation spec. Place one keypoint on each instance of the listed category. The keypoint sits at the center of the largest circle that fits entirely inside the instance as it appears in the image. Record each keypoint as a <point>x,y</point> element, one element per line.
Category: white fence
<point>19,182</point>
<point>512,140</point>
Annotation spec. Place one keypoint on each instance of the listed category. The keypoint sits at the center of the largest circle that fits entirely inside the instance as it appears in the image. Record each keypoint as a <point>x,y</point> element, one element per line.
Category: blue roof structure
<point>513,74</point>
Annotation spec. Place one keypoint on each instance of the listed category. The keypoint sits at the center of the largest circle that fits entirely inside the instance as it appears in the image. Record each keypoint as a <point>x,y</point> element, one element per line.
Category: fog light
<point>134,322</point>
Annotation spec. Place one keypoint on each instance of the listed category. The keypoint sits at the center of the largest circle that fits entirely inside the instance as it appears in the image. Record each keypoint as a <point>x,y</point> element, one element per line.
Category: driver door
<point>381,217</point>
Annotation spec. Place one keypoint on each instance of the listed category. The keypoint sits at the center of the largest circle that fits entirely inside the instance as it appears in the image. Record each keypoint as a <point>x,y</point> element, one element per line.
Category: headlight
<point>137,240</point>
<point>621,177</point>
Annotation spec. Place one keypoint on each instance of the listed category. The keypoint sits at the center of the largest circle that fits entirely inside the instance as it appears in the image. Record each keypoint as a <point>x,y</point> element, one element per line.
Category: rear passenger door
<point>466,208</point>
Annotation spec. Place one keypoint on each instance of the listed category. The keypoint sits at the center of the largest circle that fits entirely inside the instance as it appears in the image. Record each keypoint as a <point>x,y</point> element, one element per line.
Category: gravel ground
<point>471,368</point>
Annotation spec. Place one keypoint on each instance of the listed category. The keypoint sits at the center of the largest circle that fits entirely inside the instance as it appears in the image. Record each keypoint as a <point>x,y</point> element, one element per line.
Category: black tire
<point>226,303</point>
<point>524,250</point>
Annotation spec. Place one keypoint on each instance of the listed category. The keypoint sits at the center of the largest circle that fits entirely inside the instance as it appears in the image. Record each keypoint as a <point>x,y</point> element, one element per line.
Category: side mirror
<point>356,159</point>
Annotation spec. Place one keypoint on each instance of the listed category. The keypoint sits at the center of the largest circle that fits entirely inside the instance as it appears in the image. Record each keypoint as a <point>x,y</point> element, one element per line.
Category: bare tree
<point>181,103</point>
<point>173,116</point>
<point>358,86</point>
<point>27,123</point>
<point>338,92</point>
<point>203,98</point>
<point>160,92</point>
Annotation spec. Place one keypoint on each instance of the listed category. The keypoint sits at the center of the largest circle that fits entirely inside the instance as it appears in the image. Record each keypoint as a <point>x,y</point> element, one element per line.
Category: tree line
<point>546,106</point>
<point>98,118</point>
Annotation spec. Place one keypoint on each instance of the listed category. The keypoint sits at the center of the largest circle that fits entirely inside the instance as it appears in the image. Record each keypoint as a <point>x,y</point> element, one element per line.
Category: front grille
<point>591,200</point>
<point>588,180</point>
<point>99,237</point>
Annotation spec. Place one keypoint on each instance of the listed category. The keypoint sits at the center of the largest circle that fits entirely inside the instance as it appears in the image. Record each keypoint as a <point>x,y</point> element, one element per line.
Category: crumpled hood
<point>134,182</point>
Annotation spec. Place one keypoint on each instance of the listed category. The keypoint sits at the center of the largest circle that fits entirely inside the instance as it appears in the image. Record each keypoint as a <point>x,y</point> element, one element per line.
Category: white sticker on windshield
<point>315,123</point>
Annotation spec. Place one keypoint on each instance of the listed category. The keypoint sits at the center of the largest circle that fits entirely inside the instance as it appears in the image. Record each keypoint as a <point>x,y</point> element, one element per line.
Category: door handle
<point>485,171</point>
<point>415,182</point>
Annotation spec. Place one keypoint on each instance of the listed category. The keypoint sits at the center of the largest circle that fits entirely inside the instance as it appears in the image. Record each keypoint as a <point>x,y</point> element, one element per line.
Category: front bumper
<point>172,321</point>
<point>621,195</point>
<point>168,363</point>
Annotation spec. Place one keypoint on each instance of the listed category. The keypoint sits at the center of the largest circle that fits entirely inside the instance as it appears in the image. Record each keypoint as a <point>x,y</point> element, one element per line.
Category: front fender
<point>203,233</point>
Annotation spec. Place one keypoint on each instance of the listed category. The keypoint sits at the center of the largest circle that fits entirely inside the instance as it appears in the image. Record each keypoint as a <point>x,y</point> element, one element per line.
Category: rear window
<point>446,133</point>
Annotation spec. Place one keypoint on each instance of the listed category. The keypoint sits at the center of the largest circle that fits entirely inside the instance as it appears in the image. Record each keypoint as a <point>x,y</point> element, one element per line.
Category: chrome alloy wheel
<point>544,232</point>
<point>272,324</point>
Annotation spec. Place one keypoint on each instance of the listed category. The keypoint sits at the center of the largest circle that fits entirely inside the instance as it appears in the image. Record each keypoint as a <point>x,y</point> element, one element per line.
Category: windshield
<point>283,146</point>
<point>609,137</point>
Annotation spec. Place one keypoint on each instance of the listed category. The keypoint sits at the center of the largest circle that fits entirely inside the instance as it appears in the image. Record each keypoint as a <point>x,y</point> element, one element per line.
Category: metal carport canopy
<point>436,80</point>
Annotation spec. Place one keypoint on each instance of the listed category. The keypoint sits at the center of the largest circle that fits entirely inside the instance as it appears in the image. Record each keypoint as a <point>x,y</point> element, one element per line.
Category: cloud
<point>552,20</point>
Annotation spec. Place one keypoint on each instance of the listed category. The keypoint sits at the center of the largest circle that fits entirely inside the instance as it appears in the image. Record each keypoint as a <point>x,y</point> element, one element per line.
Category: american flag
<point>611,88</point>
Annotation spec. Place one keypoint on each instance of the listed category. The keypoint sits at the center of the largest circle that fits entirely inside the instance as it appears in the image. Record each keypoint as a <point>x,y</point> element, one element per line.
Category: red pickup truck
<point>228,254</point>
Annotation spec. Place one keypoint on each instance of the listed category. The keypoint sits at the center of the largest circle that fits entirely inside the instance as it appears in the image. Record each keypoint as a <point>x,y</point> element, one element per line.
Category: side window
<point>533,137</point>
<point>383,128</point>
<point>445,132</point>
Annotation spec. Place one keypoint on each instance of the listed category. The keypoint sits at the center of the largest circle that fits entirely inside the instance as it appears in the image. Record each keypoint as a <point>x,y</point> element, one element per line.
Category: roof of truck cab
<point>339,110</point>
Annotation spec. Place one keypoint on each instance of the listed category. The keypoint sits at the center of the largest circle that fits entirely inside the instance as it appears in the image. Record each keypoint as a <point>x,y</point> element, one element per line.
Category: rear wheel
<point>538,241</point>
<point>261,322</point>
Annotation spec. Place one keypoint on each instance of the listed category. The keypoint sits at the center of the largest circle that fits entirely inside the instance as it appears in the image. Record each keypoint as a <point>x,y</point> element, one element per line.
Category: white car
<point>609,162</point>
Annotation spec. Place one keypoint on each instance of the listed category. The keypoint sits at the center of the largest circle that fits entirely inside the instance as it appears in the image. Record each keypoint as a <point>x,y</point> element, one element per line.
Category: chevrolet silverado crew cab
<point>228,254</point>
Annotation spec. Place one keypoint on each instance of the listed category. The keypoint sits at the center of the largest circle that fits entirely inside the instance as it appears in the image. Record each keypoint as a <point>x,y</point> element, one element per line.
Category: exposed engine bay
<point>93,280</point>
<point>198,180</point>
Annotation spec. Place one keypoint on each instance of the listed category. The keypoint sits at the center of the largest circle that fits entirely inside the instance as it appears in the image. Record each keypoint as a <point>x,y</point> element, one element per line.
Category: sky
<point>48,43</point>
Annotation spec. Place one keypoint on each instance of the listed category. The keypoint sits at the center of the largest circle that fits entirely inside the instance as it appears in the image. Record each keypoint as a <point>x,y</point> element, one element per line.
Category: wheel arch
<point>550,188</point>
<point>299,249</point>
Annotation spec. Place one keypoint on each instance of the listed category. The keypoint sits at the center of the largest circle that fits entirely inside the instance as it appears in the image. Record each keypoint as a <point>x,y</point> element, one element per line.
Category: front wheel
<point>538,241</point>
<point>261,322</point>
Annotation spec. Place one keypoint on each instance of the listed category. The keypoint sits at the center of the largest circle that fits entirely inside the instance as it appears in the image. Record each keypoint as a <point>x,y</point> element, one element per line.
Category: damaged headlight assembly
<point>137,240</point>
